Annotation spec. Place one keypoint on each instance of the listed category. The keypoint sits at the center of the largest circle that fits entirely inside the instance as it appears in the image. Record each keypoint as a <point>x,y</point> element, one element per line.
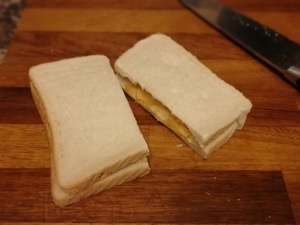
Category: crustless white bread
<point>94,138</point>
<point>182,93</point>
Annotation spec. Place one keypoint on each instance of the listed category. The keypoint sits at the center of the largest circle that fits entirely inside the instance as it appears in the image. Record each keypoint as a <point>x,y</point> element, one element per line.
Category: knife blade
<point>273,48</point>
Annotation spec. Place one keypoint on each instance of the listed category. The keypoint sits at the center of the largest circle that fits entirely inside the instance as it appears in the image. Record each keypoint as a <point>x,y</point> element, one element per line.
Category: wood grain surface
<point>253,179</point>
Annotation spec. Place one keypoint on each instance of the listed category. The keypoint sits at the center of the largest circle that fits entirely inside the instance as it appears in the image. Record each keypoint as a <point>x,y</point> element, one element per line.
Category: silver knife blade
<point>273,48</point>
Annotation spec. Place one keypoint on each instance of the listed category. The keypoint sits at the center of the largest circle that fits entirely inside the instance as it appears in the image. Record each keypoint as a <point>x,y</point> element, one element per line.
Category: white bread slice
<point>91,129</point>
<point>182,93</point>
<point>130,172</point>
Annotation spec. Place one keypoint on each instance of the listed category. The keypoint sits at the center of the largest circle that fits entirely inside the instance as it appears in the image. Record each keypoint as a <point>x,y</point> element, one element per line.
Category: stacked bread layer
<point>210,108</point>
<point>94,138</point>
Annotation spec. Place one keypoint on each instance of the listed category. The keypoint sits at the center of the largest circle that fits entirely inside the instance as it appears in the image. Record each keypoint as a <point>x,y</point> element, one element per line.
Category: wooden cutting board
<point>253,179</point>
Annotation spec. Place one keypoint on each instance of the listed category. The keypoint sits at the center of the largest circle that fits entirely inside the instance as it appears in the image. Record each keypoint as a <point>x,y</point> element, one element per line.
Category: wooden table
<point>252,179</point>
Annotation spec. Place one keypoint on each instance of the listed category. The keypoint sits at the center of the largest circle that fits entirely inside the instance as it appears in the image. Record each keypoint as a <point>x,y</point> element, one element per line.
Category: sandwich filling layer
<point>157,109</point>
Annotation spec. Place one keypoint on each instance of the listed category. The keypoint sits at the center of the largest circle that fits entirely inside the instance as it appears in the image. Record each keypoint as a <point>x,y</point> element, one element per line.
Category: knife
<point>273,48</point>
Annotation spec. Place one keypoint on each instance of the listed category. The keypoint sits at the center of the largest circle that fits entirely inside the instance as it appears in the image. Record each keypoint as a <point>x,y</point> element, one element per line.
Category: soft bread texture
<point>130,172</point>
<point>210,109</point>
<point>91,129</point>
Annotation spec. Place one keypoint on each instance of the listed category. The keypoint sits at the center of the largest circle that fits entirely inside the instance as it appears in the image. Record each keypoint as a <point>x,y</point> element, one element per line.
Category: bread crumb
<point>179,145</point>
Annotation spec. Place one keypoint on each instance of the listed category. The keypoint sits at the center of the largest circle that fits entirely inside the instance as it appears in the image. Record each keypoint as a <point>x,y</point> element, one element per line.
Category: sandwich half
<point>94,138</point>
<point>182,93</point>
